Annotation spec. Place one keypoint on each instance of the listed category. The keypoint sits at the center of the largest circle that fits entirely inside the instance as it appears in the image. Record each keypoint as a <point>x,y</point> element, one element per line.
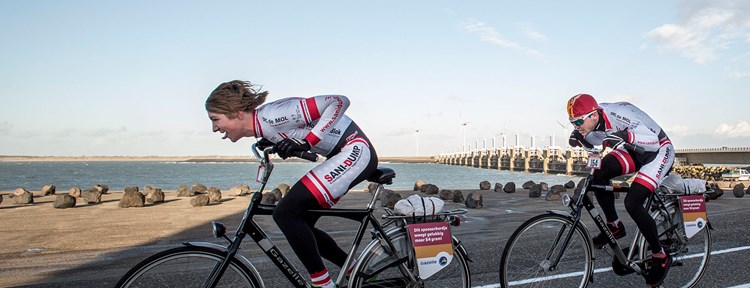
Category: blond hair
<point>234,96</point>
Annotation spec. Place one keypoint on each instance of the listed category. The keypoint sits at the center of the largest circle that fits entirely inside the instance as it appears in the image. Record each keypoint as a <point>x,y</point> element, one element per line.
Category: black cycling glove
<point>285,148</point>
<point>264,143</point>
<point>576,140</point>
<point>616,139</point>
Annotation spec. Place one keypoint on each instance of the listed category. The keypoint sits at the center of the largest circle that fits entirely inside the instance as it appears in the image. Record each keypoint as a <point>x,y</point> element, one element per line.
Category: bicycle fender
<point>461,249</point>
<point>559,212</point>
<point>238,256</point>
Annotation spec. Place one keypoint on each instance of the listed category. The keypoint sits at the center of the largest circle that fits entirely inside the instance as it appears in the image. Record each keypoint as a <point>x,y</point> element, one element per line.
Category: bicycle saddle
<point>382,175</point>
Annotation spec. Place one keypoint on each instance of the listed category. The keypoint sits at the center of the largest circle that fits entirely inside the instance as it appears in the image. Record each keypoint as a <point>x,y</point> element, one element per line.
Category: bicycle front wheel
<point>690,255</point>
<point>379,268</point>
<point>187,266</point>
<point>530,252</point>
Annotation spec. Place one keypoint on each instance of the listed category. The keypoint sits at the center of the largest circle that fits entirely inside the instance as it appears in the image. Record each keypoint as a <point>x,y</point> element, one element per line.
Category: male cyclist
<point>611,125</point>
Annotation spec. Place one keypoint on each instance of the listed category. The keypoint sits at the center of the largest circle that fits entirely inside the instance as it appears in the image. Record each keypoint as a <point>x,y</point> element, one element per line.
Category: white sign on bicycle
<point>433,246</point>
<point>693,214</point>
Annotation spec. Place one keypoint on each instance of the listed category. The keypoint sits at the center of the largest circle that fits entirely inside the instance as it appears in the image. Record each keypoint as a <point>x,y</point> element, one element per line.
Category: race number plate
<point>433,246</point>
<point>595,162</point>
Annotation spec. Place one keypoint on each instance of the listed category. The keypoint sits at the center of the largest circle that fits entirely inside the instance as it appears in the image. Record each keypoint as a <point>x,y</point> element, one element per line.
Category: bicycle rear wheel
<point>690,256</point>
<point>378,268</point>
<point>187,266</point>
<point>532,248</point>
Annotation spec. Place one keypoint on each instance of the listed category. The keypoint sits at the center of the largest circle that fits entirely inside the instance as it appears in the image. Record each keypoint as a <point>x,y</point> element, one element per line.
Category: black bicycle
<point>389,260</point>
<point>555,249</point>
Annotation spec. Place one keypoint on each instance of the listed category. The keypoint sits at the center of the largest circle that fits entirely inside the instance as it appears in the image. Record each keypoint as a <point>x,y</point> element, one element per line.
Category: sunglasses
<point>579,121</point>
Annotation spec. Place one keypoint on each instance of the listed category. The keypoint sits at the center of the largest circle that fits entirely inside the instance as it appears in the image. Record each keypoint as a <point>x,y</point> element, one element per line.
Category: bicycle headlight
<point>566,200</point>
<point>219,229</point>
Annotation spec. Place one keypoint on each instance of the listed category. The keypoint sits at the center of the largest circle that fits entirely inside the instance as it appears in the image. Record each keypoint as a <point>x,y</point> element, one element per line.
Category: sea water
<point>224,175</point>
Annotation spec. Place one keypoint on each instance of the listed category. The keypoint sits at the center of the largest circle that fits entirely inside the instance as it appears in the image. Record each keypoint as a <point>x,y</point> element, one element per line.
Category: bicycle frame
<point>249,227</point>
<point>582,202</point>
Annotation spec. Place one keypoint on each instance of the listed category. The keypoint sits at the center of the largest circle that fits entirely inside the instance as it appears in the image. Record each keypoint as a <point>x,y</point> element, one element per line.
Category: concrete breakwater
<point>535,160</point>
<point>555,160</point>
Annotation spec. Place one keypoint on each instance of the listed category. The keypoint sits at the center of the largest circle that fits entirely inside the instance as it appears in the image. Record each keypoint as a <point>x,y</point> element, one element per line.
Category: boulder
<point>148,189</point>
<point>214,195</point>
<point>458,197</point>
<point>474,200</point>
<point>418,185</point>
<point>1,199</point>
<point>545,186</point>
<point>199,188</point>
<point>528,184</point>
<point>284,188</point>
<point>22,196</point>
<point>535,191</point>
<point>104,188</point>
<point>92,195</point>
<point>183,191</point>
<point>498,187</point>
<point>371,187</point>
<point>555,193</point>
<point>739,190</point>
<point>199,200</point>
<point>47,190</point>
<point>277,193</point>
<point>389,198</point>
<point>132,198</point>
<point>75,191</point>
<point>268,198</point>
<point>510,187</point>
<point>240,190</point>
<point>431,189</point>
<point>570,185</point>
<point>63,201</point>
<point>717,191</point>
<point>155,196</point>
<point>445,194</point>
<point>484,185</point>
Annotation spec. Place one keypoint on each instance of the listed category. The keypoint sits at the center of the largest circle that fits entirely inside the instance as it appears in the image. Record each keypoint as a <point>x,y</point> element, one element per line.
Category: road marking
<point>601,270</point>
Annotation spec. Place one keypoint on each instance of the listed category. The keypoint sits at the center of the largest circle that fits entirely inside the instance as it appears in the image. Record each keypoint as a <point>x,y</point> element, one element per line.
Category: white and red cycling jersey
<point>321,121</point>
<point>642,131</point>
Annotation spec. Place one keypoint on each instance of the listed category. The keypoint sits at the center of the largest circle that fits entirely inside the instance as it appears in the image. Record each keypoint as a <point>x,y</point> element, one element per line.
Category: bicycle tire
<point>691,256</point>
<point>526,252</point>
<point>378,268</point>
<point>187,266</point>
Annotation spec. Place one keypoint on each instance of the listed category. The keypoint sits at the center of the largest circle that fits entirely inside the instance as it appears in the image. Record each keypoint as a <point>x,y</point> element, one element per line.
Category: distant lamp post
<point>417,132</point>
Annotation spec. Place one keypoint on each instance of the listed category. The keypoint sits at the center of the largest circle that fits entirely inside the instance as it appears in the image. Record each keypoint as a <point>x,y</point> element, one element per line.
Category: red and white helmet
<point>580,105</point>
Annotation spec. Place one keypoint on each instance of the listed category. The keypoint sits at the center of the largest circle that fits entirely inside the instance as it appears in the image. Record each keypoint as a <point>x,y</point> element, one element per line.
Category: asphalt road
<point>483,232</point>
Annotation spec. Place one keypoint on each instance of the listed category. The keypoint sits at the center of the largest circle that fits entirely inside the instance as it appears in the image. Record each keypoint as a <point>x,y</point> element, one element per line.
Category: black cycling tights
<point>308,242</point>
<point>634,200</point>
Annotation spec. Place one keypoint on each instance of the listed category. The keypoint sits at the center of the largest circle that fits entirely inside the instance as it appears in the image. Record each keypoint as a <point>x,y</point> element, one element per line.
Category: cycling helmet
<point>580,105</point>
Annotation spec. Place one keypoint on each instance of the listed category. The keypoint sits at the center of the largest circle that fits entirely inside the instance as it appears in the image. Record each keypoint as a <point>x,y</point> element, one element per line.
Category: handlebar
<point>307,155</point>
<point>628,146</point>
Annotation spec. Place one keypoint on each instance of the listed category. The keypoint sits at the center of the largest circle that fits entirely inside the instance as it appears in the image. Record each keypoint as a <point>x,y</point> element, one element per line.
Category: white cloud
<point>704,31</point>
<point>739,67</point>
<point>529,31</point>
<point>490,35</point>
<point>741,129</point>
